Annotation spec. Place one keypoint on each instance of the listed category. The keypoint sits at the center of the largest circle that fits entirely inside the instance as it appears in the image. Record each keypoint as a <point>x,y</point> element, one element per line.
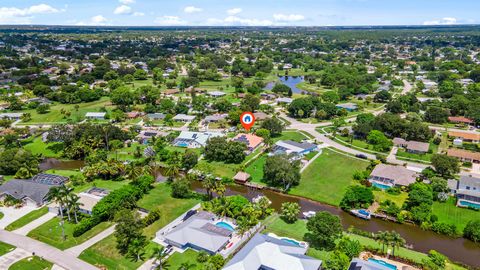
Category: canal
<point>457,249</point>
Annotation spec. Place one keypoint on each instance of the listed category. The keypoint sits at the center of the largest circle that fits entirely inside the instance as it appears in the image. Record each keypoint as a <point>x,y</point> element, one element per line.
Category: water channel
<point>457,249</point>
<point>290,81</point>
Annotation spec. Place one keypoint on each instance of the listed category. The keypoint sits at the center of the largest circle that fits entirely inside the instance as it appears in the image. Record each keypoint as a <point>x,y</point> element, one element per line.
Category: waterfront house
<point>199,232</point>
<point>348,106</point>
<point>468,191</point>
<point>284,100</point>
<point>386,176</point>
<point>359,264</point>
<point>192,139</point>
<point>267,252</point>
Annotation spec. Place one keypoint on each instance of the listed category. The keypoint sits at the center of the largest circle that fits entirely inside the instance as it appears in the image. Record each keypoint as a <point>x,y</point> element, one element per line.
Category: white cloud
<point>127,2</point>
<point>192,9</point>
<point>24,16</point>
<point>234,11</point>
<point>138,14</point>
<point>169,20</point>
<point>95,20</point>
<point>123,10</point>
<point>443,21</point>
<point>237,21</point>
<point>288,17</point>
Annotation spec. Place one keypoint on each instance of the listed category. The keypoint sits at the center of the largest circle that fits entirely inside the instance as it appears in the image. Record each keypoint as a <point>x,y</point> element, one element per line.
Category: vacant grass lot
<point>449,213</point>
<point>255,169</point>
<point>290,135</point>
<point>31,263</point>
<point>54,115</point>
<point>327,178</point>
<point>49,150</point>
<point>188,257</point>
<point>27,219</point>
<point>51,233</point>
<point>105,184</point>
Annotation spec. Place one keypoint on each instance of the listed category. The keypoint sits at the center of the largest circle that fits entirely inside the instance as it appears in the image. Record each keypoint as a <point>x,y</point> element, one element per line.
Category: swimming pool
<point>380,186</point>
<point>225,225</point>
<point>182,144</point>
<point>469,204</point>
<point>383,263</point>
<point>291,241</point>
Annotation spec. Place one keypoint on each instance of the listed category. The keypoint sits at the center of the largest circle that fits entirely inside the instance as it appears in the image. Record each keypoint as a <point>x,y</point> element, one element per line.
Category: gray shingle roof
<point>20,189</point>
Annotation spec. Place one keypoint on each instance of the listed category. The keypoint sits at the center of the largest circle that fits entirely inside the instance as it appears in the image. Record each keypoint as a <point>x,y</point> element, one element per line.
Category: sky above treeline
<point>240,12</point>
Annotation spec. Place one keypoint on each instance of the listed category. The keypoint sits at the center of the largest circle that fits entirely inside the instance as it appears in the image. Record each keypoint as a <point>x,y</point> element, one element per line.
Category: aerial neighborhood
<point>238,148</point>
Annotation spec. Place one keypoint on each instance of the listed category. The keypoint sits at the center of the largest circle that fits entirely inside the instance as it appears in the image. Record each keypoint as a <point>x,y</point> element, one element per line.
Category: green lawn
<point>357,143</point>
<point>51,233</point>
<point>381,196</point>
<point>27,219</point>
<point>290,135</point>
<point>5,248</point>
<point>105,184</point>
<point>54,115</point>
<point>38,147</point>
<point>188,257</point>
<point>449,213</point>
<point>327,178</point>
<point>105,254</point>
<point>66,173</point>
<point>255,169</point>
<point>170,207</point>
<point>31,263</point>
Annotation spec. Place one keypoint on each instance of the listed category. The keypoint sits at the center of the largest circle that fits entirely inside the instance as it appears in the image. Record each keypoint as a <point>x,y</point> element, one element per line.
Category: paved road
<point>49,253</point>
<point>76,250</point>
<point>34,224</point>
<point>12,257</point>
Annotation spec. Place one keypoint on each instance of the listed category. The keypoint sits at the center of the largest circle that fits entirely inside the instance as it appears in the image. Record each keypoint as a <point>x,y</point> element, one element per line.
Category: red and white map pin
<point>247,119</point>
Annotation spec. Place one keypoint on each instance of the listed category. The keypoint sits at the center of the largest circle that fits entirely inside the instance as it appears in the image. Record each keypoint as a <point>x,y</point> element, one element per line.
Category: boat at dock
<point>361,213</point>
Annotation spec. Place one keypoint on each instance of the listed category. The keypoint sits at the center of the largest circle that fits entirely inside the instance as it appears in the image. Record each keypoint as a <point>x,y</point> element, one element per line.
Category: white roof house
<point>217,93</point>
<point>192,139</point>
<point>10,115</point>
<point>95,115</point>
<point>266,252</point>
<point>183,117</point>
<point>284,100</point>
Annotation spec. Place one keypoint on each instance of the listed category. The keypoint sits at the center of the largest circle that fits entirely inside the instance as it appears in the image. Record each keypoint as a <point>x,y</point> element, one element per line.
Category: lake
<point>290,81</point>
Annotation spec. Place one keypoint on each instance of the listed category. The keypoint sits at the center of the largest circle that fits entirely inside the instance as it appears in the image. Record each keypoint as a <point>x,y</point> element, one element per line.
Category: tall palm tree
<point>209,184</point>
<point>64,192</point>
<point>382,238</point>
<point>396,241</point>
<point>159,255</point>
<point>54,195</point>
<point>74,204</point>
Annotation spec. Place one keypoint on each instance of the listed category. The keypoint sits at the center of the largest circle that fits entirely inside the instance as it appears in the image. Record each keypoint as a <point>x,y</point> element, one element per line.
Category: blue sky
<point>244,12</point>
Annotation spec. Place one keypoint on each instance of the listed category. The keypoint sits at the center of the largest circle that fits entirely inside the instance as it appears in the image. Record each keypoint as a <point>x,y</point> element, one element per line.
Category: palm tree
<point>132,171</point>
<point>396,241</point>
<point>219,188</point>
<point>382,238</point>
<point>64,192</point>
<point>186,266</point>
<point>159,255</point>
<point>209,184</point>
<point>242,225</point>
<point>54,195</point>
<point>74,204</point>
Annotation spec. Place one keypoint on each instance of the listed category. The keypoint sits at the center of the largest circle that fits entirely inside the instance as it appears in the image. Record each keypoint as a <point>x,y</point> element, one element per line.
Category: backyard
<point>331,172</point>
<point>449,213</point>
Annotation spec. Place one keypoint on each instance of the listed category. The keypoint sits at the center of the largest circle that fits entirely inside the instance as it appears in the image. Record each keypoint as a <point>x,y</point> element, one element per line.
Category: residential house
<point>215,118</point>
<point>199,232</point>
<point>291,147</point>
<point>386,176</point>
<point>216,94</point>
<point>417,147</point>
<point>464,155</point>
<point>33,191</point>
<point>11,116</point>
<point>260,116</point>
<point>156,116</point>
<point>183,118</point>
<point>191,139</point>
<point>147,134</point>
<point>348,106</point>
<point>460,120</point>
<point>266,252</point>
<point>468,191</point>
<point>90,198</point>
<point>284,100</point>
<point>96,115</point>
<point>465,136</point>
<point>250,140</point>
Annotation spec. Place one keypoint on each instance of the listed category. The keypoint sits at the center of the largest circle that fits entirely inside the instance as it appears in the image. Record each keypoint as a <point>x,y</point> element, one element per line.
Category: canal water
<point>457,249</point>
<point>290,81</point>
<point>56,164</point>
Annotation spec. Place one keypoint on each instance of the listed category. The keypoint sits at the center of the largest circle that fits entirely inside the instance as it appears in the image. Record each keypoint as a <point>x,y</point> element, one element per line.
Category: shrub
<point>152,217</point>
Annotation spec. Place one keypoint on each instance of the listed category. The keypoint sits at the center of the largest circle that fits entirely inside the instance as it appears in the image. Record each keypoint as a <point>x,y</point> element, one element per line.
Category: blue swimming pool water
<point>470,204</point>
<point>380,262</point>
<point>381,186</point>
<point>182,144</point>
<point>291,241</point>
<point>225,225</point>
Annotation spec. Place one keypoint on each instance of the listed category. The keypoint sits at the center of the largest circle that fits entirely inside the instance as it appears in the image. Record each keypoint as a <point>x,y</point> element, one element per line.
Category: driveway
<point>76,250</point>
<point>11,214</point>
<point>49,253</point>
<point>34,224</point>
<point>12,257</point>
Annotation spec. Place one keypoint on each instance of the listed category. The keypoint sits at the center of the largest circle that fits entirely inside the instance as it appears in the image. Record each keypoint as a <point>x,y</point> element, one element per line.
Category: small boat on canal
<point>361,213</point>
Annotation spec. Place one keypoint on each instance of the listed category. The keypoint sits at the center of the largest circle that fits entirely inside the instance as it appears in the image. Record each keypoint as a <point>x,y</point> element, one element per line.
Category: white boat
<point>309,214</point>
<point>361,213</point>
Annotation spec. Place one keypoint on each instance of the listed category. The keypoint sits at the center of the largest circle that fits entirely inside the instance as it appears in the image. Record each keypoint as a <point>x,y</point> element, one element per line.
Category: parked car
<point>362,156</point>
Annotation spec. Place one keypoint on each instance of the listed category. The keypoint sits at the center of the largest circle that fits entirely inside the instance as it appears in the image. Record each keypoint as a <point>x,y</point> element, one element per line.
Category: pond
<point>56,164</point>
<point>290,81</point>
<point>457,249</point>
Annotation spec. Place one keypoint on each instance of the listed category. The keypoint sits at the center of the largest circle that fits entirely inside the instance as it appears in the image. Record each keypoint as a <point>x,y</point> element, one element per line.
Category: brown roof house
<point>464,155</point>
<point>412,146</point>
<point>460,120</point>
<point>466,136</point>
<point>386,176</point>
<point>241,177</point>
